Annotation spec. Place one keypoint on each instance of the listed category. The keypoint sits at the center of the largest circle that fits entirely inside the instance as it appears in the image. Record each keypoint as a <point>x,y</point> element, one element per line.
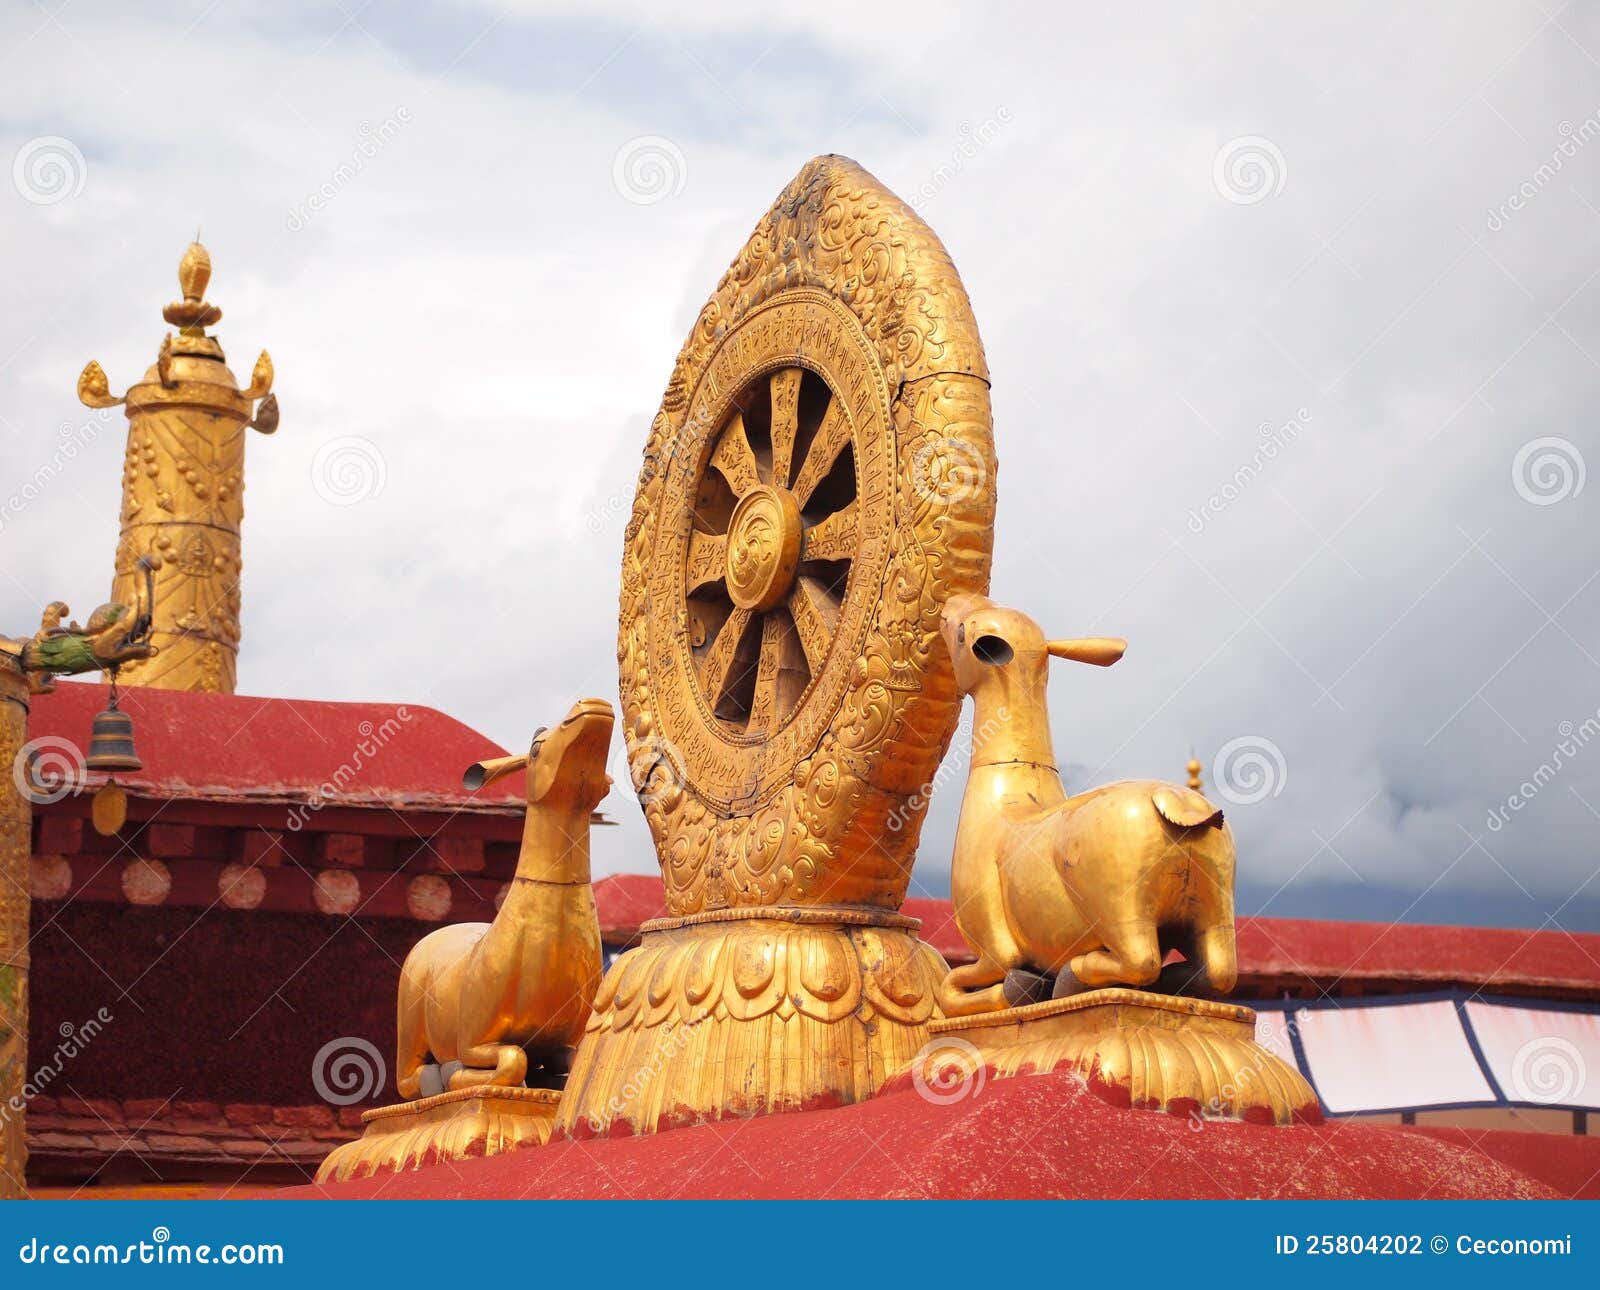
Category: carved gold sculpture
<point>1090,890</point>
<point>115,636</point>
<point>818,480</point>
<point>486,994</point>
<point>480,1000</point>
<point>802,611</point>
<point>183,488</point>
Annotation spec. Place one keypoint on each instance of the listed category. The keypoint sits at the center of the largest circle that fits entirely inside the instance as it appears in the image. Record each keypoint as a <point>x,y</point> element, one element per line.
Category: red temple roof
<point>221,771</point>
<point>1281,953</point>
<point>1028,1136</point>
<point>240,748</point>
<point>1343,957</point>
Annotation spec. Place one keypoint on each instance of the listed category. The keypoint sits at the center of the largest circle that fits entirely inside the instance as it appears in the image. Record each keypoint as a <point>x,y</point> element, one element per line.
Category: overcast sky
<point>1292,316</point>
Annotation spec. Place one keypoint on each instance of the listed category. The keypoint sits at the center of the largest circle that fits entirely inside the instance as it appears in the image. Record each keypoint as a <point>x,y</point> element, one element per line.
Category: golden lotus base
<point>750,1012</point>
<point>1151,1051</point>
<point>448,1126</point>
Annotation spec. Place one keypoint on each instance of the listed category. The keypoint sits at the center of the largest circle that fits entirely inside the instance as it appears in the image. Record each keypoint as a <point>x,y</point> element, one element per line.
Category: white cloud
<point>482,304</point>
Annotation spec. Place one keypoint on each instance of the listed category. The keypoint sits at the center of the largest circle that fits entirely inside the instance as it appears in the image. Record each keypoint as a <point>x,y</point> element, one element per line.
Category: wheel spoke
<point>826,445</point>
<point>719,659</point>
<point>815,616</point>
<point>734,458</point>
<point>764,714</point>
<point>833,538</point>
<point>785,386</point>
<point>708,559</point>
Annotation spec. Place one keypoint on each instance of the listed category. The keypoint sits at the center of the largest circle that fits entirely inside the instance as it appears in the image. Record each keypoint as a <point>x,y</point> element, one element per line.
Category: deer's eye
<point>994,650</point>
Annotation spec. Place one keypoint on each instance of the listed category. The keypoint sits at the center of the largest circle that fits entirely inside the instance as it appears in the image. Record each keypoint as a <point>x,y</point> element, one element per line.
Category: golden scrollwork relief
<point>789,550</point>
<point>793,538</point>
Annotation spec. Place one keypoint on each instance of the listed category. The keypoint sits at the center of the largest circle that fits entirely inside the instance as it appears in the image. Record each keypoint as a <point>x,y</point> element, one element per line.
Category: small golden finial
<point>192,313</point>
<point>194,271</point>
<point>1194,774</point>
<point>94,388</point>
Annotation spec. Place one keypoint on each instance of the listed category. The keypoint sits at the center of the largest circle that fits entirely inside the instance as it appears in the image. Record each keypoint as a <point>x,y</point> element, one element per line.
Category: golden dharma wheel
<point>818,481</point>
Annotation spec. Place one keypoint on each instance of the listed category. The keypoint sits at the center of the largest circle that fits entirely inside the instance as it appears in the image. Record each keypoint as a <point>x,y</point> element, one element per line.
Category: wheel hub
<point>763,548</point>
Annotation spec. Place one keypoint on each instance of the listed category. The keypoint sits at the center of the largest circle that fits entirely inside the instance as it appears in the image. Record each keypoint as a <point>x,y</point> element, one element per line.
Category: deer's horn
<point>1102,651</point>
<point>485,772</point>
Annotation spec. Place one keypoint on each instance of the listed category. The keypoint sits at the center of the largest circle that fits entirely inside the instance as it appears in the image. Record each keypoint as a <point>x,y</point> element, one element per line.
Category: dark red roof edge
<point>1289,953</point>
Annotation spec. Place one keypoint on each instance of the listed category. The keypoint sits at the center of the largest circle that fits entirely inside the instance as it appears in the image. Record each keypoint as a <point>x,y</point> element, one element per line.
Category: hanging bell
<point>111,742</point>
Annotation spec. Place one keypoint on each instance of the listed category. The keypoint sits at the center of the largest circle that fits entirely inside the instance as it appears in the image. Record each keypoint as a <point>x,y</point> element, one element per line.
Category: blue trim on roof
<point>1432,996</point>
<point>1460,998</point>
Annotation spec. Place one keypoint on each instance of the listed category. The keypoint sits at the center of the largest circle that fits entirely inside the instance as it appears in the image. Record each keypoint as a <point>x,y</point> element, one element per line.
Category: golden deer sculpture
<point>1094,889</point>
<point>489,994</point>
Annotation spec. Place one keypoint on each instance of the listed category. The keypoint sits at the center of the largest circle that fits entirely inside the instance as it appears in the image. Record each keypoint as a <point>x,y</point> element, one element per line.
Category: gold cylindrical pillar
<point>183,490</point>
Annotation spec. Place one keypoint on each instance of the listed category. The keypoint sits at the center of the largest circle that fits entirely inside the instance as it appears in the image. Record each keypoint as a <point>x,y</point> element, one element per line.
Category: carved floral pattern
<point>830,816</point>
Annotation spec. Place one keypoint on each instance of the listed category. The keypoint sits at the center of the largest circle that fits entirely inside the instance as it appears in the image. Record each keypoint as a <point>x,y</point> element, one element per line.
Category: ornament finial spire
<point>192,313</point>
<point>182,490</point>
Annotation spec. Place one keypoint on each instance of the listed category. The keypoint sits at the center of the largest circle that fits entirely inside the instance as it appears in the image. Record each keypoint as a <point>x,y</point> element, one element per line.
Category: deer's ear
<point>543,762</point>
<point>993,650</point>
